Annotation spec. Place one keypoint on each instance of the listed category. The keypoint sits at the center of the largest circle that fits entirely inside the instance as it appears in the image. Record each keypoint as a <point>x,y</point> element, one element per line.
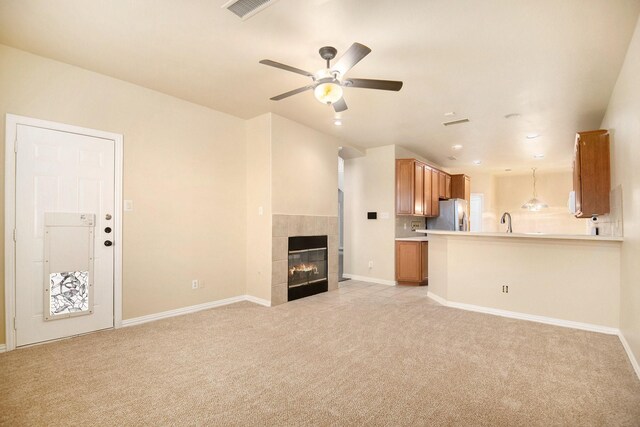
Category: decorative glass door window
<point>69,292</point>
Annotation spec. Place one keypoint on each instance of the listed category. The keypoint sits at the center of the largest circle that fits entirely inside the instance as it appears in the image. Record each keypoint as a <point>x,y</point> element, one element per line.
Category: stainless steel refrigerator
<point>453,216</point>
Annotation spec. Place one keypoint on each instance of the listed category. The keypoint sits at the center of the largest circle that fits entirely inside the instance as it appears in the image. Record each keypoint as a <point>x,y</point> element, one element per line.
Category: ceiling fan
<point>328,82</point>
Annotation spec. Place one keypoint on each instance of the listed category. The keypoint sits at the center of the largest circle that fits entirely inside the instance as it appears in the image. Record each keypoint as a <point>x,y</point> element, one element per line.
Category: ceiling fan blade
<point>285,67</point>
<point>350,58</point>
<point>340,105</point>
<point>292,92</point>
<point>374,84</point>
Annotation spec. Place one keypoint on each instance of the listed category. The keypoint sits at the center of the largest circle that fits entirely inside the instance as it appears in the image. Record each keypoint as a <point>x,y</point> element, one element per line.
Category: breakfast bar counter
<point>570,280</point>
<point>521,235</point>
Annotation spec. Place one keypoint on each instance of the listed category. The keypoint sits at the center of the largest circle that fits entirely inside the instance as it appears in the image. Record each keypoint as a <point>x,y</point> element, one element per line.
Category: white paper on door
<point>68,264</point>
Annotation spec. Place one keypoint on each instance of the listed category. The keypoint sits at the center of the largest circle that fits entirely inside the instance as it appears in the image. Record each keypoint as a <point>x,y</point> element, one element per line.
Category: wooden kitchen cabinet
<point>415,188</point>
<point>592,173</point>
<point>428,208</point>
<point>412,266</point>
<point>444,186</point>
<point>418,189</point>
<point>435,188</point>
<point>404,186</point>
<point>447,193</point>
<point>461,187</point>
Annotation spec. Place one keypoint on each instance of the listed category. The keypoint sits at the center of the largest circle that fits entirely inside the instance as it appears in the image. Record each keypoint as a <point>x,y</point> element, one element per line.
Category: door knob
<point>108,243</point>
<point>107,230</point>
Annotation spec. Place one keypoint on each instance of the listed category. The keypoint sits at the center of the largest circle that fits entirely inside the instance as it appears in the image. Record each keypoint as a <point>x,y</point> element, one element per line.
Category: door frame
<point>12,122</point>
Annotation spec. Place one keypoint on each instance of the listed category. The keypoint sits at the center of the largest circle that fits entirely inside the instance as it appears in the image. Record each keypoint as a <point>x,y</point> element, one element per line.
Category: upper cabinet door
<point>404,186</point>
<point>447,186</point>
<point>442,185</point>
<point>461,187</point>
<point>418,189</point>
<point>592,173</point>
<point>435,188</point>
<point>427,192</point>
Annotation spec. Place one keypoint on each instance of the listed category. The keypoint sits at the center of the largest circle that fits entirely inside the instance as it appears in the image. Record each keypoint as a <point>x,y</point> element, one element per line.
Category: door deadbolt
<point>107,216</point>
<point>108,243</point>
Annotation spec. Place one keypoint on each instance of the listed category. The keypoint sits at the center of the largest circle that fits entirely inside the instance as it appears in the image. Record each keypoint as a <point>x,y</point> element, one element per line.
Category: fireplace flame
<point>303,268</point>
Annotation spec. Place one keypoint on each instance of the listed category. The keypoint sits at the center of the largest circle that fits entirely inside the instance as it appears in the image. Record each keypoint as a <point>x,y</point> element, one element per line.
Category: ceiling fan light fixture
<point>328,93</point>
<point>328,82</point>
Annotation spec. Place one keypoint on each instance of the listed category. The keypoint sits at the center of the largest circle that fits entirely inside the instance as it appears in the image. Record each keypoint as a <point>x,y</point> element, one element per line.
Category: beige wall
<point>184,168</point>
<point>370,187</point>
<point>292,174</point>
<point>623,120</point>
<point>572,280</point>
<point>553,188</point>
<point>258,152</point>
<point>304,170</point>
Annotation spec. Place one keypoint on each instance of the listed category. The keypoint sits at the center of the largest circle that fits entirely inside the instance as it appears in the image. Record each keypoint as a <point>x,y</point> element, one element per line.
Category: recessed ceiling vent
<point>245,9</point>
<point>455,122</point>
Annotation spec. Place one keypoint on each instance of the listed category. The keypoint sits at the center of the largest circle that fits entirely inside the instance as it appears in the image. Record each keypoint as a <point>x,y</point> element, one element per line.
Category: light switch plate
<point>128,205</point>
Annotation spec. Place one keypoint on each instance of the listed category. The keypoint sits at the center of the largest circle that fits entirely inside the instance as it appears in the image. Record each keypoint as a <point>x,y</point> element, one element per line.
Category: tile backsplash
<point>403,225</point>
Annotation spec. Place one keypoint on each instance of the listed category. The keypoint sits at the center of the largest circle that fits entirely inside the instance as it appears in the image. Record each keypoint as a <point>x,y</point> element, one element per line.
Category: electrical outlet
<point>370,264</point>
<point>194,284</point>
<point>505,289</point>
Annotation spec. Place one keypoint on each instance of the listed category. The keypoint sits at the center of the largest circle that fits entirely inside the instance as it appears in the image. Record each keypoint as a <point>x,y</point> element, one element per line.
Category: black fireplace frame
<point>298,243</point>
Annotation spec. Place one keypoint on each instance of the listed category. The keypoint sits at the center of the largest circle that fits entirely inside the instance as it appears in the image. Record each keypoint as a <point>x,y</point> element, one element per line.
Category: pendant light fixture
<point>534,204</point>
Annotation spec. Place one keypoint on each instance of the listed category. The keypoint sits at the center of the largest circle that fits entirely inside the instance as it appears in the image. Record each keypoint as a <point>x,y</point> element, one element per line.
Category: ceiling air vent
<point>245,9</point>
<point>455,122</point>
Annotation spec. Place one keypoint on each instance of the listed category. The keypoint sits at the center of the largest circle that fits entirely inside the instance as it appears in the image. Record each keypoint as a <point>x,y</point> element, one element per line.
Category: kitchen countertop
<point>413,239</point>
<point>521,235</point>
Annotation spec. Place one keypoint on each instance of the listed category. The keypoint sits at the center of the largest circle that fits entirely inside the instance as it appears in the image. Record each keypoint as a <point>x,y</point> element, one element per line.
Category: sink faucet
<point>506,218</point>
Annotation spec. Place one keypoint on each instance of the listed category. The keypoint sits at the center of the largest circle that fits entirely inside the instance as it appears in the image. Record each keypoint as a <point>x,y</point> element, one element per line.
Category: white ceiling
<point>552,61</point>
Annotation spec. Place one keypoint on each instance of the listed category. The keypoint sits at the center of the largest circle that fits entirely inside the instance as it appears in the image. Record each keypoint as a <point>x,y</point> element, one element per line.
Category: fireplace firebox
<point>308,266</point>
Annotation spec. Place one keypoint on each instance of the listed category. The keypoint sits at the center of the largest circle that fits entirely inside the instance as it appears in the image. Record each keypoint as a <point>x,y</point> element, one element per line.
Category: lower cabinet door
<point>424,253</point>
<point>409,262</point>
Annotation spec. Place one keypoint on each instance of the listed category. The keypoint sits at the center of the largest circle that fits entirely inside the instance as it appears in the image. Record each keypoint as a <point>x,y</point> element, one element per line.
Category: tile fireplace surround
<point>285,226</point>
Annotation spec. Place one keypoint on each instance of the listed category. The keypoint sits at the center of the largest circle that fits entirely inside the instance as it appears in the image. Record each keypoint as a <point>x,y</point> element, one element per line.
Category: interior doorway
<point>341,219</point>
<point>476,206</point>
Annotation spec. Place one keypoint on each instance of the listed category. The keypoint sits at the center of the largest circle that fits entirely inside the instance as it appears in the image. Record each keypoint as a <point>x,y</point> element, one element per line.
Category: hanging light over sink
<point>534,204</point>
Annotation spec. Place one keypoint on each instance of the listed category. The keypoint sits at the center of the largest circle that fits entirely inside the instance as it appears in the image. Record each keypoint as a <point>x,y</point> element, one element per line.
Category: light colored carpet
<point>362,355</point>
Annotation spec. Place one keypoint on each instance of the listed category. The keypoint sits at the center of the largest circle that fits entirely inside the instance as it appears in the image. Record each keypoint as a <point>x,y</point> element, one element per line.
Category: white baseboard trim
<point>193,309</point>
<point>437,298</point>
<point>630,355</point>
<point>524,316</point>
<point>370,279</point>
<point>3,348</point>
<point>257,300</point>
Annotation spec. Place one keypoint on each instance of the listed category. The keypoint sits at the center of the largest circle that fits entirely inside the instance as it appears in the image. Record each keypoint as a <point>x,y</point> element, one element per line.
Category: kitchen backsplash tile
<point>403,225</point>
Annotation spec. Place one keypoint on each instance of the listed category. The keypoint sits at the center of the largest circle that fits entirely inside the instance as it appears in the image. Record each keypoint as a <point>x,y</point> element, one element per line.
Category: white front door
<point>62,172</point>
